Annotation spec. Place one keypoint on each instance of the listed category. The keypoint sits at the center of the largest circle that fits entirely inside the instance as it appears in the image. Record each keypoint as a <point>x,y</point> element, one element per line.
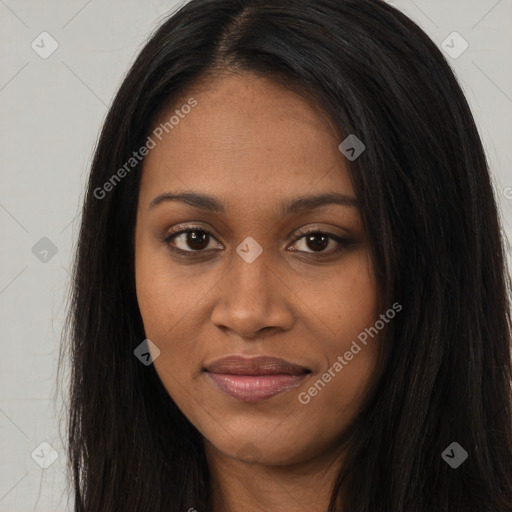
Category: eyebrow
<point>300,204</point>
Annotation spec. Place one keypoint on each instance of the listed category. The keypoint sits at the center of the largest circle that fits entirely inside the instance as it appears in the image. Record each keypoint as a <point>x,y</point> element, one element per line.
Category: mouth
<point>255,379</point>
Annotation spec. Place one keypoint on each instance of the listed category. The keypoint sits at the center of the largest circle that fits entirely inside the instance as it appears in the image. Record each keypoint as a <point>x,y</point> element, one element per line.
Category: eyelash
<point>343,243</point>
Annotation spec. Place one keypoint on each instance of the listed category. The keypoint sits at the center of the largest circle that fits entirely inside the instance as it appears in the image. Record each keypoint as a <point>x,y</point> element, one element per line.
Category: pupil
<point>196,241</point>
<point>314,244</point>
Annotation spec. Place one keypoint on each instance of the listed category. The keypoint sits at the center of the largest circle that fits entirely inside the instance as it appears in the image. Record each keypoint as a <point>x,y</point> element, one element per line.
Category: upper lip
<point>261,365</point>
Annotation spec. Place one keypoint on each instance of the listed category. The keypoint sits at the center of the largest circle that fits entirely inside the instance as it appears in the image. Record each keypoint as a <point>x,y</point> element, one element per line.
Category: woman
<point>290,290</point>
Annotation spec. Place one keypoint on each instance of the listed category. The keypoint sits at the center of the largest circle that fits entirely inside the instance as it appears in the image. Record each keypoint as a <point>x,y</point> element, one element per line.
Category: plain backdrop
<point>51,111</point>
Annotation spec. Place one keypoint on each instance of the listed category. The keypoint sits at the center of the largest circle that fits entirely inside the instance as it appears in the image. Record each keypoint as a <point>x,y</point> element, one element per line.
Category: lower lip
<point>253,388</point>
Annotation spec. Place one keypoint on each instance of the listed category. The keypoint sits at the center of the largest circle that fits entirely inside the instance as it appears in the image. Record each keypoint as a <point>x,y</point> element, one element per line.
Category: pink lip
<point>253,388</point>
<point>254,379</point>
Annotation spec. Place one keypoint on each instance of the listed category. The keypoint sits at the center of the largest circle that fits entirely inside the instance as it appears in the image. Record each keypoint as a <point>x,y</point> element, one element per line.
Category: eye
<point>191,240</point>
<point>198,241</point>
<point>317,241</point>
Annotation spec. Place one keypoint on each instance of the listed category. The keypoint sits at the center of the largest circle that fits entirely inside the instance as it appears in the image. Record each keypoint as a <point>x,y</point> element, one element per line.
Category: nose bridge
<point>250,282</point>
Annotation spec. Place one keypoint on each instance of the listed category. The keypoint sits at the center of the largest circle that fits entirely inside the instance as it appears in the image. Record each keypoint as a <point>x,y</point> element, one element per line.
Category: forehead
<point>248,139</point>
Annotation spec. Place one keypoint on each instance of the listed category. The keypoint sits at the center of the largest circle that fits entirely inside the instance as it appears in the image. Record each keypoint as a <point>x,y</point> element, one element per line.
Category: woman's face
<point>248,281</point>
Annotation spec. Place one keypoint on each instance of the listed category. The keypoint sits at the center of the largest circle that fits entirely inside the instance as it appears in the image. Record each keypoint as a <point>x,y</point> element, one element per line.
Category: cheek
<point>153,295</point>
<point>341,303</point>
<point>156,289</point>
<point>162,295</point>
<point>168,308</point>
<point>355,299</point>
<point>348,306</point>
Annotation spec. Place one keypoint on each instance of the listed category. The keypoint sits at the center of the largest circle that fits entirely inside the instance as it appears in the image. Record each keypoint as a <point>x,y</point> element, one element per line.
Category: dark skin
<point>252,144</point>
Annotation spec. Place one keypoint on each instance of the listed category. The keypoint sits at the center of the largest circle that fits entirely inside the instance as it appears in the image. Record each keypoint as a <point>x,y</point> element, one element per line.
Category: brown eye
<point>318,242</point>
<point>191,240</point>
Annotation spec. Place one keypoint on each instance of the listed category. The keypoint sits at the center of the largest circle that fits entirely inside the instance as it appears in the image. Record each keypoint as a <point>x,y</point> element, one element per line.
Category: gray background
<point>51,111</point>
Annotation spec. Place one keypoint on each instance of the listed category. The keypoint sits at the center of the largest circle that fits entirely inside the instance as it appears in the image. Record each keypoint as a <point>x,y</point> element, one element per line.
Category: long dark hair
<point>428,207</point>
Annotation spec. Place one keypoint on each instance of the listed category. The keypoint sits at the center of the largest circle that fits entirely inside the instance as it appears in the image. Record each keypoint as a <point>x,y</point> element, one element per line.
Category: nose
<point>251,299</point>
